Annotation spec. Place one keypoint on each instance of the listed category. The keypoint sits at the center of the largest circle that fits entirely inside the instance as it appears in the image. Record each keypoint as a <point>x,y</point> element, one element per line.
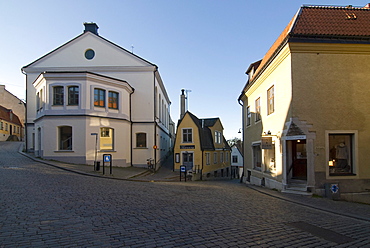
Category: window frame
<point>98,94</point>
<point>58,97</point>
<point>258,109</point>
<point>249,116</point>
<point>188,136</point>
<point>61,140</point>
<point>141,142</point>
<point>271,100</point>
<point>73,97</point>
<point>352,150</point>
<point>111,103</point>
<point>257,158</point>
<point>106,138</point>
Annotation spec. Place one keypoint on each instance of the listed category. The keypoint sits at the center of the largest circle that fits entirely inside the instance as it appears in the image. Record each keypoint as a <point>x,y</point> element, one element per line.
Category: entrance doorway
<point>187,160</point>
<point>298,159</point>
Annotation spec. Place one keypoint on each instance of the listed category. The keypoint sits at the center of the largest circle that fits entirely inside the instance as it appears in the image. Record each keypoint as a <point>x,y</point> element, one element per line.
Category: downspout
<point>155,121</point>
<point>241,104</point>
<point>130,118</point>
<point>25,119</point>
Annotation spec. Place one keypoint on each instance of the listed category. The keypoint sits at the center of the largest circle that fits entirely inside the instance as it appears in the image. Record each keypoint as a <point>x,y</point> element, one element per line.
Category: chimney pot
<point>91,27</point>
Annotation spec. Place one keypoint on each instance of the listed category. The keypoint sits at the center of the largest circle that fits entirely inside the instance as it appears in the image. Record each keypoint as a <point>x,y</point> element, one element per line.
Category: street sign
<point>334,188</point>
<point>107,157</point>
<point>183,168</point>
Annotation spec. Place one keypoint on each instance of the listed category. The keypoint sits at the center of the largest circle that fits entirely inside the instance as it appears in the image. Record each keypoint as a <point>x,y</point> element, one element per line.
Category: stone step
<point>297,192</point>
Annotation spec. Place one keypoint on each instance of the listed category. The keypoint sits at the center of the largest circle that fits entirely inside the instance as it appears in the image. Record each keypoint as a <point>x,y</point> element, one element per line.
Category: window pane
<point>258,110</point>
<point>58,98</point>
<point>106,138</point>
<point>99,97</point>
<point>270,100</point>
<point>187,136</point>
<point>65,138</point>
<point>113,100</point>
<point>141,140</point>
<point>340,154</point>
<point>73,93</point>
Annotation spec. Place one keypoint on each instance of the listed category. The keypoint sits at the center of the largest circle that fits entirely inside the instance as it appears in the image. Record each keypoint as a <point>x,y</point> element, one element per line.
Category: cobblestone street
<point>43,206</point>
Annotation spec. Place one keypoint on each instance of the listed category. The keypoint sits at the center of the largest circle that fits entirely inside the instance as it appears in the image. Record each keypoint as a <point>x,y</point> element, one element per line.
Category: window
<point>217,137</point>
<point>341,161</point>
<point>6,126</point>
<point>187,135</point>
<point>221,157</point>
<point>248,116</point>
<point>258,109</point>
<point>58,95</point>
<point>106,138</point>
<point>257,156</point>
<point>38,101</point>
<point>269,159</point>
<point>270,100</point>
<point>227,156</point>
<point>141,140</point>
<point>112,100</point>
<point>208,161</point>
<point>99,98</point>
<point>73,93</point>
<point>1,125</point>
<point>235,159</point>
<point>215,158</point>
<point>65,138</point>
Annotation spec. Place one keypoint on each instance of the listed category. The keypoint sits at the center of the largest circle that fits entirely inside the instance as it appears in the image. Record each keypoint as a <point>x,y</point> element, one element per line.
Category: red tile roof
<point>8,116</point>
<point>322,22</point>
<point>333,21</point>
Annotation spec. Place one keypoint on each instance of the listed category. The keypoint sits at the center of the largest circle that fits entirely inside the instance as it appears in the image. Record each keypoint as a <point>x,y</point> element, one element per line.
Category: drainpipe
<point>155,121</point>
<point>130,118</point>
<point>25,119</point>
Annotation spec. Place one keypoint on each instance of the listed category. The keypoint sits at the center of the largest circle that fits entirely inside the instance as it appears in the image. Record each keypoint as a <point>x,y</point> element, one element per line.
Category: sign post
<point>107,158</point>
<point>183,170</point>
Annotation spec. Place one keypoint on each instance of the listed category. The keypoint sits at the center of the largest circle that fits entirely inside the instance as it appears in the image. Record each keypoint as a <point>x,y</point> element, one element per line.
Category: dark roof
<point>205,134</point>
<point>8,116</point>
<point>330,24</point>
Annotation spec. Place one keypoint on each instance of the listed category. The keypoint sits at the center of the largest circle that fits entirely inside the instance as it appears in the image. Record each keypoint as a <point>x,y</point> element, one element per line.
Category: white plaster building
<point>237,160</point>
<point>91,93</point>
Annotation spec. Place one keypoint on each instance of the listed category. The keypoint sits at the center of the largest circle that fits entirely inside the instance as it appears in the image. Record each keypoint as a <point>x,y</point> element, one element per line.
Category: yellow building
<point>305,106</point>
<point>201,147</point>
<point>10,125</point>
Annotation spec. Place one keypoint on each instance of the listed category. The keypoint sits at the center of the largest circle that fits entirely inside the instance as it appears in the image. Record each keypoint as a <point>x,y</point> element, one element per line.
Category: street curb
<point>281,197</point>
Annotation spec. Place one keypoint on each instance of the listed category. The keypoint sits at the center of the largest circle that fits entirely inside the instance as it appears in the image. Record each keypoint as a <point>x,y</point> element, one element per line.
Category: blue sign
<point>334,188</point>
<point>107,158</point>
<point>182,168</point>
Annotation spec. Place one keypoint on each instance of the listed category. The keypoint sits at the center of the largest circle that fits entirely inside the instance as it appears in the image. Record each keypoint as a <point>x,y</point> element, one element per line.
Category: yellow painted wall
<point>331,90</point>
<point>199,156</point>
<point>5,131</point>
<point>277,74</point>
<point>187,122</point>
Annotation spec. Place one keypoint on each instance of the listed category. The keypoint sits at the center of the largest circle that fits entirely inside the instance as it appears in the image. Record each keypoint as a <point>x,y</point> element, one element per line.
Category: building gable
<point>86,51</point>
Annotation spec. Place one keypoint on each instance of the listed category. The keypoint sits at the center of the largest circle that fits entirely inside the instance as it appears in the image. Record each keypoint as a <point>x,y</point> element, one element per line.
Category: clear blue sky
<point>201,45</point>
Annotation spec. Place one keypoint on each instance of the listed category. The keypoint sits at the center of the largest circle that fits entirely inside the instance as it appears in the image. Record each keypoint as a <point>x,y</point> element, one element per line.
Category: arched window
<point>65,138</point>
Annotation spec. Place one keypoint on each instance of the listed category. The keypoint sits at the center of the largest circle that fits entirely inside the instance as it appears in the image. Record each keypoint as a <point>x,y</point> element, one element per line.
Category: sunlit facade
<point>90,97</point>
<point>304,111</point>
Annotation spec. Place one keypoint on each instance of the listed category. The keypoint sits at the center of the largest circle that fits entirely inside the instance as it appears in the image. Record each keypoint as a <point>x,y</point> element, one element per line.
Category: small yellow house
<point>201,147</point>
<point>305,106</point>
<point>10,125</point>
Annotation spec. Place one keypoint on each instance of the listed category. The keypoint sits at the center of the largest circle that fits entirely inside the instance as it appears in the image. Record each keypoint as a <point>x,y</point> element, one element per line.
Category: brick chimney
<point>91,27</point>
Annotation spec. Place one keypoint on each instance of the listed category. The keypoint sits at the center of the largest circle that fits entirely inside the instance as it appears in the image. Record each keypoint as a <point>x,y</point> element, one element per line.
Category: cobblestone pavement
<point>43,206</point>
